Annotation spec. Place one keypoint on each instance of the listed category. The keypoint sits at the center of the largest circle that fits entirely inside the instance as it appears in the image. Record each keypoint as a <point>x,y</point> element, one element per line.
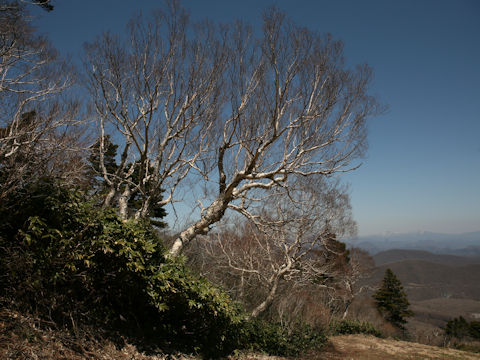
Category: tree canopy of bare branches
<point>160,93</point>
<point>240,114</point>
<point>293,238</point>
<point>35,123</point>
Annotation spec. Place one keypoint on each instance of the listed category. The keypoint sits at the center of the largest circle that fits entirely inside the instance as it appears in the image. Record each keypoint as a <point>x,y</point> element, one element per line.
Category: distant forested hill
<point>427,276</point>
<point>467,244</point>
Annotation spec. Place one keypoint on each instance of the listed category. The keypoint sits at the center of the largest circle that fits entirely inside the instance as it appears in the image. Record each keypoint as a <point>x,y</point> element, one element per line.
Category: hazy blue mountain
<point>467,244</point>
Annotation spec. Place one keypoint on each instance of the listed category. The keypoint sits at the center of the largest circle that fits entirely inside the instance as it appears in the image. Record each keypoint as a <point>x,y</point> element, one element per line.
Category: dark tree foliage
<point>475,329</point>
<point>155,211</point>
<point>109,154</point>
<point>100,187</point>
<point>460,328</point>
<point>391,300</point>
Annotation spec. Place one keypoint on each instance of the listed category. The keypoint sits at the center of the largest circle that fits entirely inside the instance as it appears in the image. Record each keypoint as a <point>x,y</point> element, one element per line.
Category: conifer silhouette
<point>391,300</point>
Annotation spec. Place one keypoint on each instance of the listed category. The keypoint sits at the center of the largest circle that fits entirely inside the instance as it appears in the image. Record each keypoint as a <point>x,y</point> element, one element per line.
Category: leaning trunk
<point>213,214</point>
<point>268,300</point>
<point>347,306</point>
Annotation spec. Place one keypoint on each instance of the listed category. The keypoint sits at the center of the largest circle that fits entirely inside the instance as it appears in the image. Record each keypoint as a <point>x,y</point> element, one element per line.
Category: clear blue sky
<point>422,171</point>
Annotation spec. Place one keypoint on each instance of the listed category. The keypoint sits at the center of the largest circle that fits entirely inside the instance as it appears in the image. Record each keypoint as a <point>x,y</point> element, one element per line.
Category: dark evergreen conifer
<point>391,300</point>
<point>110,153</point>
<point>155,211</point>
<point>460,328</point>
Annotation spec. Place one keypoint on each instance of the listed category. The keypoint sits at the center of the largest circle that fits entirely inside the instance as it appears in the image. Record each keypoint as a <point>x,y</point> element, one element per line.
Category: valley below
<point>440,287</point>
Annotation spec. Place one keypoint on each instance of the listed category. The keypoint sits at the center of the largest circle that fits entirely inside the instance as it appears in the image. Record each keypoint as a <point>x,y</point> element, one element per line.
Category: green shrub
<point>473,347</point>
<point>276,339</point>
<point>475,329</point>
<point>345,327</point>
<point>460,328</point>
<point>75,263</point>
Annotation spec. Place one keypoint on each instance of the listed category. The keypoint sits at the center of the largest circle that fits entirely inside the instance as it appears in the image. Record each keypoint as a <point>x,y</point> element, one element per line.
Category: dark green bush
<point>475,329</point>
<point>345,327</point>
<point>473,347</point>
<point>276,339</point>
<point>460,328</point>
<point>64,258</point>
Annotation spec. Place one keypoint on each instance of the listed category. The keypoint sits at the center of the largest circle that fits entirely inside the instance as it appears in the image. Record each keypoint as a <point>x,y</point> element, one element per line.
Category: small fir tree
<point>391,300</point>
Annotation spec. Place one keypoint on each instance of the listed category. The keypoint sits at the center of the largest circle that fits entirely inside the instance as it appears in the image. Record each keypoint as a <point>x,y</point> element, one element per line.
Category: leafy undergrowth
<point>75,264</point>
<point>348,327</point>
<point>471,346</point>
<point>26,337</point>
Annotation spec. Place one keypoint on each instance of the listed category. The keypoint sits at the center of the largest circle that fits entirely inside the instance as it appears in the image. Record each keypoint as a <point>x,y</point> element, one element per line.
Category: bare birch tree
<point>35,124</point>
<point>361,265</point>
<point>293,111</point>
<point>238,115</point>
<point>159,91</point>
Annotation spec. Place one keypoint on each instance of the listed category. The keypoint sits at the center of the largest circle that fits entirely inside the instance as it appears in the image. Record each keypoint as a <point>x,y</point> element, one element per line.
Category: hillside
<point>424,280</point>
<point>440,287</point>
<point>438,311</point>
<point>394,255</point>
<point>361,347</point>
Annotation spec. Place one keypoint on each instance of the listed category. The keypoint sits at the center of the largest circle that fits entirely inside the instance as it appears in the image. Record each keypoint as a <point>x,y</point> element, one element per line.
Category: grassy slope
<point>363,347</point>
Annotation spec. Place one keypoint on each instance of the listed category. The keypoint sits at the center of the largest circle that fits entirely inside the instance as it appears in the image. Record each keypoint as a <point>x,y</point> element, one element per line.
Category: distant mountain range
<point>467,244</point>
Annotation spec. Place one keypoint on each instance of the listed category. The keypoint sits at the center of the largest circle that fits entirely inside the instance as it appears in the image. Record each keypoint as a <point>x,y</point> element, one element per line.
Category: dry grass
<point>361,347</point>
